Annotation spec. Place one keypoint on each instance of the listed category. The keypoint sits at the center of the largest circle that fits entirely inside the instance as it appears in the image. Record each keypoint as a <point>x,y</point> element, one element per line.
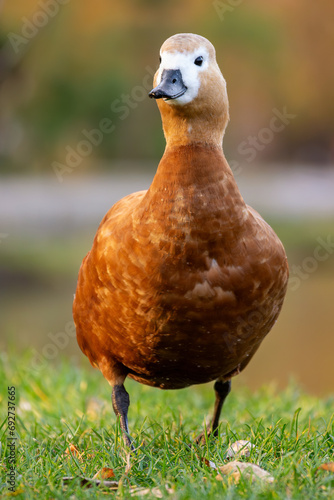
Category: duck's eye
<point>198,61</point>
<point>160,59</point>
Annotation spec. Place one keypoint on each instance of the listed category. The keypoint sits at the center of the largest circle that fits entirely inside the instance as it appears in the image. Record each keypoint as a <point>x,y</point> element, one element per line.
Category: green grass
<point>293,434</point>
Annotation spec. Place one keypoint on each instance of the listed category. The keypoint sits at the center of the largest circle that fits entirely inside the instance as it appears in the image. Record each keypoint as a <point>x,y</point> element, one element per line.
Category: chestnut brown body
<point>184,280</point>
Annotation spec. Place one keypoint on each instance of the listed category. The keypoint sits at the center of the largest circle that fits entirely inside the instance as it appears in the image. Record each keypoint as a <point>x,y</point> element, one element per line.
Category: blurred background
<point>78,132</point>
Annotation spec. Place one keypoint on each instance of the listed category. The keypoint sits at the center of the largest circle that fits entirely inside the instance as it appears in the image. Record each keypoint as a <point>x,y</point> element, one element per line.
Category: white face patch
<point>185,62</point>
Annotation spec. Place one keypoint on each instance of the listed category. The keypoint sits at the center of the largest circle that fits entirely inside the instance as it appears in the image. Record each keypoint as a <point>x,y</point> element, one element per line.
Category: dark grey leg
<point>121,402</point>
<point>222,390</point>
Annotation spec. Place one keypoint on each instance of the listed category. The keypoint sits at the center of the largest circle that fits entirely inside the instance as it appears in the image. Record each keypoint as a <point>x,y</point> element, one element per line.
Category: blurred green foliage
<point>65,77</point>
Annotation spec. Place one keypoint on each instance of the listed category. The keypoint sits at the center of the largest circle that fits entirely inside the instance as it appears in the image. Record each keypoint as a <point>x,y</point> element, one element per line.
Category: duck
<point>184,280</point>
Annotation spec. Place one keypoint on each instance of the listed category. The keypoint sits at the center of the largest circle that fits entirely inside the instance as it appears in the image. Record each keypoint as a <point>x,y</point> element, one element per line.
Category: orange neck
<point>193,166</point>
<point>185,125</point>
<point>194,183</point>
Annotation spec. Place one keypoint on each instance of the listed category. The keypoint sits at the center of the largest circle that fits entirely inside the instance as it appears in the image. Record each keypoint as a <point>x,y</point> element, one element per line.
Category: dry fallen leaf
<point>72,451</point>
<point>209,463</point>
<point>241,448</point>
<point>104,473</point>
<point>235,469</point>
<point>327,466</point>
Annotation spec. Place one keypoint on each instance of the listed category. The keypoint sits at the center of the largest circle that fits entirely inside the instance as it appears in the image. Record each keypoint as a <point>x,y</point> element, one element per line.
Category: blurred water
<point>36,205</point>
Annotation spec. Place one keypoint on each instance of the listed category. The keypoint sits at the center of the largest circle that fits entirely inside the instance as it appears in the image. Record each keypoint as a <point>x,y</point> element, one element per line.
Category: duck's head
<point>190,91</point>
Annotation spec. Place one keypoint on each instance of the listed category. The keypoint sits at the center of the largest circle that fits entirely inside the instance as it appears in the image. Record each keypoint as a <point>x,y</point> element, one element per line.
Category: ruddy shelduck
<point>184,280</point>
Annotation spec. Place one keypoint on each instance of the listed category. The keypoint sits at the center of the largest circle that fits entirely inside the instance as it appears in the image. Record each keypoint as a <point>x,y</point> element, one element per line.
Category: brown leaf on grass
<point>72,451</point>
<point>208,463</point>
<point>237,469</point>
<point>327,466</point>
<point>104,473</point>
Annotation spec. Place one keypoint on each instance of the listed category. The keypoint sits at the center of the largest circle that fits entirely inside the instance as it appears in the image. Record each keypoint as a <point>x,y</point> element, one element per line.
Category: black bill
<point>171,85</point>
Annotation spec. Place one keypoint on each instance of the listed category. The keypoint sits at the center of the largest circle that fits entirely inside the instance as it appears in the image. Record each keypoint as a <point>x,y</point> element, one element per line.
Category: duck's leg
<point>120,403</point>
<point>222,390</point>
